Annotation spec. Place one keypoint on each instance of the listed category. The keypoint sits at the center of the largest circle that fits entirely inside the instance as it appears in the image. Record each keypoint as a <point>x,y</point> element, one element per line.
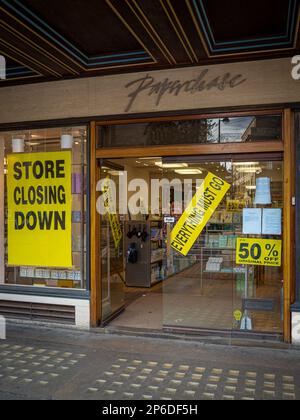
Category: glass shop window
<point>43,208</point>
<point>198,131</point>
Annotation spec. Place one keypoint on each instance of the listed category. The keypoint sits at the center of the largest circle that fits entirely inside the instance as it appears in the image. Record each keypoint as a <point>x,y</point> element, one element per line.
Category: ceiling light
<point>31,143</point>
<point>116,173</point>
<point>189,171</point>
<point>245,163</point>
<point>66,141</point>
<point>250,170</point>
<point>171,165</point>
<point>18,145</point>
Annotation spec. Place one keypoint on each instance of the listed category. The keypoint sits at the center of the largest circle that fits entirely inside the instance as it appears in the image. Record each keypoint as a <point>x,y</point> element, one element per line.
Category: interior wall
<point>136,173</point>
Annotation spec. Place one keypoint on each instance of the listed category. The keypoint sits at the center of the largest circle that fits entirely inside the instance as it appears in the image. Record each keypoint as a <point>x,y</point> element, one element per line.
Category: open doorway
<point>148,284</point>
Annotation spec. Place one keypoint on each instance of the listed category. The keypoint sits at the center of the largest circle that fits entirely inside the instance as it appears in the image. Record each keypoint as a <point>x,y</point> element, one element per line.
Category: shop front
<point>44,235</point>
<point>163,204</point>
<point>200,204</point>
<point>296,305</point>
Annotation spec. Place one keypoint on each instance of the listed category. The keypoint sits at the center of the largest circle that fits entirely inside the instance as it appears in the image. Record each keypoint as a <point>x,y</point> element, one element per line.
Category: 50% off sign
<point>265,252</point>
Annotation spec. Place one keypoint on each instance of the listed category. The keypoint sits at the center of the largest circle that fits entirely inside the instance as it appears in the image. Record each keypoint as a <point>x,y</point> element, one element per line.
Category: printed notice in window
<point>272,222</point>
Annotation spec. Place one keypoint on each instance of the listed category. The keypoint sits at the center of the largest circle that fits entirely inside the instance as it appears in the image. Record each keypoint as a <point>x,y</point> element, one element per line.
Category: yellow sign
<point>198,213</point>
<point>236,205</point>
<point>237,315</point>
<point>112,213</point>
<point>39,197</point>
<point>266,252</point>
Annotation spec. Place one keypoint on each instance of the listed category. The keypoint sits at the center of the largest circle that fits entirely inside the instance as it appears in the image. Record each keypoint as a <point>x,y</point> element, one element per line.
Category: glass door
<point>111,257</point>
<point>206,287</point>
<point>198,293</point>
<point>258,294</point>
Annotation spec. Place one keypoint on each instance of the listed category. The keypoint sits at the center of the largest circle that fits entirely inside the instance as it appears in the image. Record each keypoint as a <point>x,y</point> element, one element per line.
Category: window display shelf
<point>148,270</point>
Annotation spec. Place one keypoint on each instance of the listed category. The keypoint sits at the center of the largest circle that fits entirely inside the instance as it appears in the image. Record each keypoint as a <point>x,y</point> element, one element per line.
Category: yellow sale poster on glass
<point>39,197</point>
<point>198,214</point>
<point>112,214</point>
<point>265,252</point>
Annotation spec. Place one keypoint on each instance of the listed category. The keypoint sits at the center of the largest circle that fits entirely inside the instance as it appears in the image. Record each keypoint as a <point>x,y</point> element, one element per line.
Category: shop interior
<point>160,289</point>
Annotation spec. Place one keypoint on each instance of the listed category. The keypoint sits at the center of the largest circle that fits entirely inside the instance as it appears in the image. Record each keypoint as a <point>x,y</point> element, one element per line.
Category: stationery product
<point>237,218</point>
<point>76,243</point>
<point>76,183</point>
<point>39,273</point>
<point>214,264</point>
<point>54,275</point>
<point>52,283</point>
<point>223,241</point>
<point>62,275</point>
<point>30,272</point>
<point>231,241</point>
<point>71,275</point>
<point>23,272</point>
<point>76,216</point>
<point>46,274</point>
<point>77,276</point>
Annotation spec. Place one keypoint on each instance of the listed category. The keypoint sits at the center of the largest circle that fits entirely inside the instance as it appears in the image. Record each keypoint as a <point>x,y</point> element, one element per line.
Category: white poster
<point>263,191</point>
<point>252,221</point>
<point>272,222</point>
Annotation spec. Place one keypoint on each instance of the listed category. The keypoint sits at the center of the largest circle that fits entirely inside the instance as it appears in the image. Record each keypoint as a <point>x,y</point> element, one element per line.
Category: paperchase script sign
<point>205,81</point>
<point>39,197</point>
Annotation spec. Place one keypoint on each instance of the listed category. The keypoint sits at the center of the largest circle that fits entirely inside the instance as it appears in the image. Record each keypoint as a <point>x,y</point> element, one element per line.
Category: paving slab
<point>45,363</point>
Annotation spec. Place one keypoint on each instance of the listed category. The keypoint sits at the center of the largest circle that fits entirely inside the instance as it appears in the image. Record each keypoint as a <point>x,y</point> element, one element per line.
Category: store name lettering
<point>296,67</point>
<point>204,82</point>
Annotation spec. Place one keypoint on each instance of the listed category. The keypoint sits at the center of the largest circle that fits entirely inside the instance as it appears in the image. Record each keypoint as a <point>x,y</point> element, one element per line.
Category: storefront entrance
<point>220,265</point>
<point>146,281</point>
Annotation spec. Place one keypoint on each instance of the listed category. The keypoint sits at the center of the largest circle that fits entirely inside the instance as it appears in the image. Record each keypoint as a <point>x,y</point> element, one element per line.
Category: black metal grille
<point>38,312</point>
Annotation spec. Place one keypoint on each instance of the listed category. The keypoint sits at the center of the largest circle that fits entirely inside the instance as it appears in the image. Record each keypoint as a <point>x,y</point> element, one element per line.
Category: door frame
<point>105,321</point>
<point>286,146</point>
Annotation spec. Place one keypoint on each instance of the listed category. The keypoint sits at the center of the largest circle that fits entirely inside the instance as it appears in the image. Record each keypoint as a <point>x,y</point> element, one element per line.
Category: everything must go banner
<point>198,214</point>
<point>39,197</point>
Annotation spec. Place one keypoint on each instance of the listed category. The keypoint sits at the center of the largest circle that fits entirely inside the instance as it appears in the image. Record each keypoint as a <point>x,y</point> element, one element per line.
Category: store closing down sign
<point>112,214</point>
<point>266,252</point>
<point>199,212</point>
<point>39,199</point>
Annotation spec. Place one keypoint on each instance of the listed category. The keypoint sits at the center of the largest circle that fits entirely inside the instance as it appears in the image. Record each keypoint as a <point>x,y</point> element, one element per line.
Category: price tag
<point>266,252</point>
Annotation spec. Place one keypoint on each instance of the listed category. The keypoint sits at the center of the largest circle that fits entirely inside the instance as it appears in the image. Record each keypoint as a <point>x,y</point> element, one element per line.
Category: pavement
<point>49,363</point>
